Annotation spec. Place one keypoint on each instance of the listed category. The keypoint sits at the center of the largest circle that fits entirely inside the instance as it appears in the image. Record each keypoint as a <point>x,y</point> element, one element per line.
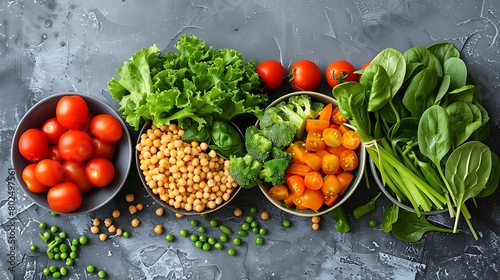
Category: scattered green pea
<point>54,229</point>
<point>170,237</point>
<point>231,251</point>
<point>57,256</point>
<point>237,241</point>
<point>249,219</point>
<point>194,223</point>
<point>372,223</point>
<point>287,223</point>
<point>255,230</point>
<point>101,274</point>
<point>63,247</point>
<point>90,268</point>
<point>223,238</point>
<point>242,233</point>
<point>42,225</point>
<point>126,234</point>
<point>75,241</point>
<point>53,268</point>
<point>253,210</point>
<point>214,223</point>
<point>53,213</point>
<point>83,240</point>
<point>74,248</point>
<point>206,247</point>
<point>70,261</point>
<point>245,226</point>
<point>202,229</point>
<point>198,244</point>
<point>211,240</point>
<point>46,271</point>
<point>58,239</point>
<point>73,255</point>
<point>184,233</point>
<point>218,246</point>
<point>259,240</point>
<point>47,235</point>
<point>56,275</point>
<point>64,255</point>
<point>63,270</point>
<point>55,250</point>
<point>194,237</point>
<point>262,231</point>
<point>203,238</point>
<point>63,234</point>
<point>33,247</point>
<point>254,224</point>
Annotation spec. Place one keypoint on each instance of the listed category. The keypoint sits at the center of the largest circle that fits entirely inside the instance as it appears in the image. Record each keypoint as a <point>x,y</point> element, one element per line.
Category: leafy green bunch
<point>194,86</point>
<point>421,118</point>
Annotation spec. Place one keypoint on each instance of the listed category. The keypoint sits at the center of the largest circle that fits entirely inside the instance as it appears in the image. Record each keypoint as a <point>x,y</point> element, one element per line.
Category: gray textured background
<point>53,46</point>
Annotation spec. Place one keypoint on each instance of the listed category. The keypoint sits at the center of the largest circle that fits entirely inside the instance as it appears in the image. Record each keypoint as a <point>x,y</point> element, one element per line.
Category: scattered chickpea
<point>103,236</point>
<point>159,212</point>
<point>179,215</point>
<point>315,219</point>
<point>135,222</point>
<point>96,222</point>
<point>112,229</point>
<point>94,229</point>
<point>139,206</point>
<point>264,215</point>
<point>116,213</point>
<point>315,226</point>
<point>108,222</point>
<point>237,212</point>
<point>158,229</point>
<point>119,231</point>
<point>129,197</point>
<point>132,209</point>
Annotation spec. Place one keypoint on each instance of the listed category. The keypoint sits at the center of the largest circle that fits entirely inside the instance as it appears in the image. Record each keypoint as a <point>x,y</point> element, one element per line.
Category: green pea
<point>259,240</point>
<point>90,268</point>
<point>58,239</point>
<point>63,247</point>
<point>53,268</point>
<point>53,213</point>
<point>126,234</point>
<point>237,241</point>
<point>46,271</point>
<point>218,246</point>
<point>206,247</point>
<point>73,255</point>
<point>225,229</point>
<point>254,224</point>
<point>170,237</point>
<point>70,261</point>
<point>194,237</point>
<point>184,233</point>
<point>262,231</point>
<point>74,248</point>
<point>211,240</point>
<point>53,229</point>
<point>63,270</point>
<point>83,240</point>
<point>56,275</point>
<point>242,233</point>
<point>75,241</point>
<point>223,238</point>
<point>249,219</point>
<point>253,210</point>
<point>202,229</point>
<point>63,234</point>
<point>42,225</point>
<point>198,244</point>
<point>101,274</point>
<point>194,223</point>
<point>255,230</point>
<point>214,223</point>
<point>245,226</point>
<point>287,223</point>
<point>33,247</point>
<point>47,235</point>
<point>57,256</point>
<point>231,251</point>
<point>203,238</point>
<point>372,223</point>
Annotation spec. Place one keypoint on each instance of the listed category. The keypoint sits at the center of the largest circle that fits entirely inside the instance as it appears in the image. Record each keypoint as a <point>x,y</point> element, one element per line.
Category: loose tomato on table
<point>64,197</point>
<point>32,183</point>
<point>340,71</point>
<point>305,75</point>
<point>272,73</point>
<point>106,128</point>
<point>75,145</point>
<point>72,111</point>
<point>33,145</point>
<point>75,172</point>
<point>53,130</point>
<point>100,172</point>
<point>48,172</point>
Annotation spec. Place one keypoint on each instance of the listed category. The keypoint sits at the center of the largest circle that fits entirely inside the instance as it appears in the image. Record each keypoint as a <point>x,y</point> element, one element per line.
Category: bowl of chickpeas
<point>186,178</point>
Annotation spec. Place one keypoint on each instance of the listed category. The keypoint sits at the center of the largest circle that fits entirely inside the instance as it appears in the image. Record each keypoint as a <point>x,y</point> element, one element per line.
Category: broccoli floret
<point>279,153</point>
<point>297,109</point>
<point>274,171</point>
<point>281,134</point>
<point>256,144</point>
<point>245,170</point>
<point>270,116</point>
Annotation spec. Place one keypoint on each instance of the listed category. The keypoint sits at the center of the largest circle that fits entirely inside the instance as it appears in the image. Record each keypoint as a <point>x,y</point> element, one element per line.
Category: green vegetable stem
<point>421,119</point>
<point>341,224</point>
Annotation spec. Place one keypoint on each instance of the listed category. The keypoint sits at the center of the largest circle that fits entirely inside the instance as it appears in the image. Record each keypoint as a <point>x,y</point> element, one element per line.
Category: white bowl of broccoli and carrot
<point>295,154</point>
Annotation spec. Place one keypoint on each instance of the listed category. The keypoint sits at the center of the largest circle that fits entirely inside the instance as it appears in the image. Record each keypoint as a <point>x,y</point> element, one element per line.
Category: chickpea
<point>135,222</point>
<point>96,222</point>
<point>116,213</point>
<point>103,236</point>
<point>132,209</point>
<point>94,229</point>
<point>129,197</point>
<point>119,231</point>
<point>179,215</point>
<point>112,228</point>
<point>315,226</point>
<point>108,222</point>
<point>237,212</point>
<point>139,206</point>
<point>315,219</point>
<point>158,229</point>
<point>264,216</point>
<point>159,212</point>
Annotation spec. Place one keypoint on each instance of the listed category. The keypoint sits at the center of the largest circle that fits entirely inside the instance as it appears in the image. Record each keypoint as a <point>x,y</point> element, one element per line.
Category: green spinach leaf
<point>389,217</point>
<point>419,94</point>
<point>395,66</point>
<point>444,51</point>
<point>367,208</point>
<point>341,224</point>
<point>434,135</point>
<point>455,68</point>
<point>423,55</point>
<point>377,85</point>
<point>411,228</point>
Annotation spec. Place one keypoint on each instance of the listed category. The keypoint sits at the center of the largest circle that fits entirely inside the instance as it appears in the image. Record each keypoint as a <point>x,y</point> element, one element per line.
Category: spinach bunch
<point>420,116</point>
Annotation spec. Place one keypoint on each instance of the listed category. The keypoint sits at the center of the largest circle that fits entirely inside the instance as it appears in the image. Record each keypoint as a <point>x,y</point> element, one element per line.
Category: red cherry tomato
<point>305,75</point>
<point>106,128</point>
<point>340,71</point>
<point>72,111</point>
<point>272,73</point>
<point>33,145</point>
<point>64,197</point>
<point>86,126</point>
<point>349,160</point>
<point>48,172</point>
<point>53,129</point>
<point>75,145</point>
<point>31,181</point>
<point>103,149</point>
<point>75,172</point>
<point>54,154</point>
<point>100,171</point>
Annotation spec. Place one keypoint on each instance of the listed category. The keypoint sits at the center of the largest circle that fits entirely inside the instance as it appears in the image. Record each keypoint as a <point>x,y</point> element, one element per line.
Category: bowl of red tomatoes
<point>71,153</point>
<point>327,165</point>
